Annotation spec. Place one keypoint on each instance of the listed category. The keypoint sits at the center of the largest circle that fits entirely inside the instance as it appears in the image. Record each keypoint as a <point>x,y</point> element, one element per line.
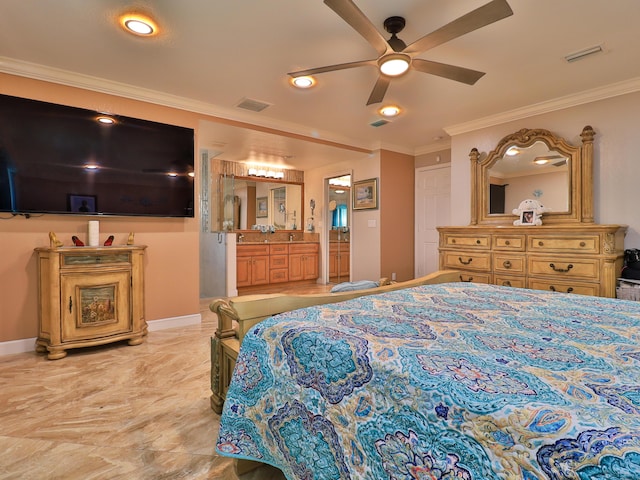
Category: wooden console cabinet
<point>89,296</point>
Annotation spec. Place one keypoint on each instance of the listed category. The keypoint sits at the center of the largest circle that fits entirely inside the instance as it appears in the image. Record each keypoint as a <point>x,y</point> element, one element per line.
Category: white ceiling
<point>212,54</point>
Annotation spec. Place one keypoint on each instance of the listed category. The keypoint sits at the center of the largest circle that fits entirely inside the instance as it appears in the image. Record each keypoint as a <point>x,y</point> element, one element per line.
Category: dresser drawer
<point>509,281</point>
<point>509,242</point>
<point>278,261</point>
<point>588,268</point>
<point>476,241</point>
<point>279,275</point>
<point>304,248</point>
<point>251,250</point>
<point>467,261</point>
<point>278,249</point>
<point>566,243</point>
<point>503,263</point>
<point>564,287</point>
<point>475,277</point>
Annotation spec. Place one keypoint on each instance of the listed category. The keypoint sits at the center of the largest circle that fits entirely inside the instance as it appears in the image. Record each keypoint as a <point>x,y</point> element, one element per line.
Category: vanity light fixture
<point>91,166</point>
<point>138,24</point>
<point>266,172</point>
<point>394,64</point>
<point>389,111</point>
<point>303,82</point>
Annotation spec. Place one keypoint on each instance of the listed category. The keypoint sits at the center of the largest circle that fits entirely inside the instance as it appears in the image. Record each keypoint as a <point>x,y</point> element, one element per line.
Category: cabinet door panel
<point>243,271</point>
<point>94,306</point>
<point>260,270</point>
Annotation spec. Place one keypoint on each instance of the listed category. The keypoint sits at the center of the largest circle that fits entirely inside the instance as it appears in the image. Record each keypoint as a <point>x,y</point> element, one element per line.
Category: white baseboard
<point>18,346</point>
<point>29,344</point>
<point>164,323</point>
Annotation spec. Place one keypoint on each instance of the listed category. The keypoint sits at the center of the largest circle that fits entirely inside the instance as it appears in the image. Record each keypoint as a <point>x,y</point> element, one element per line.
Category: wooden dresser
<point>564,250</point>
<point>581,258</point>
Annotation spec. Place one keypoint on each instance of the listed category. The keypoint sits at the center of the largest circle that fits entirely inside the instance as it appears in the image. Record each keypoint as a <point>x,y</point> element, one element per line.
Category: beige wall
<point>397,213</point>
<point>616,166</point>
<point>171,276</point>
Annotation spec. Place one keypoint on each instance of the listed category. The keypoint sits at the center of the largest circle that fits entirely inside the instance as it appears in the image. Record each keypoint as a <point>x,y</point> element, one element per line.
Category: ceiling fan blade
<point>478,18</point>
<point>379,90</point>
<point>459,74</point>
<point>351,14</point>
<point>331,68</point>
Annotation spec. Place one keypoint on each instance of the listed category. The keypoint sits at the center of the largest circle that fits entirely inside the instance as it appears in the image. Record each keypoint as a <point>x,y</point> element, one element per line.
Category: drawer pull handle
<point>583,244</point>
<point>70,304</point>
<point>453,240</point>
<point>553,289</point>
<point>540,244</point>
<point>506,283</point>
<point>561,270</point>
<point>507,242</point>
<point>506,264</point>
<point>468,281</point>
<point>463,262</point>
<point>478,242</point>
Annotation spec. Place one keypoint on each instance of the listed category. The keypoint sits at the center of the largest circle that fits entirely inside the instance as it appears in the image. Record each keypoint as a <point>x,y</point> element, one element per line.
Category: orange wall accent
<point>172,257</point>
<point>397,186</point>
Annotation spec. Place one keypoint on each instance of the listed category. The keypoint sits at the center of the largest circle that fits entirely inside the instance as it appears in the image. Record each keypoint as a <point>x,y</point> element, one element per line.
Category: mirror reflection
<point>534,172</point>
<point>256,203</point>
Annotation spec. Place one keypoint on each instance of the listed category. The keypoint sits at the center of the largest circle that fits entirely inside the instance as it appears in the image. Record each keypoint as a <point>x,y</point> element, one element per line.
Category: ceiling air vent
<point>379,123</point>
<point>253,105</point>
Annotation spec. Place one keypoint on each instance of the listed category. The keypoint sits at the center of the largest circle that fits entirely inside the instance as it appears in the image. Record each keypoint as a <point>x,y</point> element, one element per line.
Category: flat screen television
<point>63,160</point>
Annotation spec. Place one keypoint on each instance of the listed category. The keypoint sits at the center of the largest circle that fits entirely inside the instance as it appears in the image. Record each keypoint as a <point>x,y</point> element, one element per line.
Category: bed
<point>441,381</point>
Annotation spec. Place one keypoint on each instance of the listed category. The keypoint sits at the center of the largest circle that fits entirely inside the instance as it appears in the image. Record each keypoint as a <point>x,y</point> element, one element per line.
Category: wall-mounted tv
<point>63,160</point>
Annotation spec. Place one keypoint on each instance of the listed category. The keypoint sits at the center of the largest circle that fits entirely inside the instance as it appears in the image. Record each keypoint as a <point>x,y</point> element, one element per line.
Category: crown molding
<point>246,120</point>
<point>580,98</point>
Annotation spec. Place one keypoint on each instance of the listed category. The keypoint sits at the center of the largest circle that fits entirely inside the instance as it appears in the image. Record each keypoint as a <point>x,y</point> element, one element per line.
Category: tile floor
<point>116,412</point>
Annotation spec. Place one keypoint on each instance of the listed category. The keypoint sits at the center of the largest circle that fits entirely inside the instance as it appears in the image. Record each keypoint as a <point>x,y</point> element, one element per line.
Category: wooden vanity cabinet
<point>252,263</point>
<point>339,259</point>
<point>303,261</point>
<point>89,296</point>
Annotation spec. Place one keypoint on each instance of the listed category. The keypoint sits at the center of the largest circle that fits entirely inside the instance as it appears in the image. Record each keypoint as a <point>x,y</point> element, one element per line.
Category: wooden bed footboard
<point>247,310</point>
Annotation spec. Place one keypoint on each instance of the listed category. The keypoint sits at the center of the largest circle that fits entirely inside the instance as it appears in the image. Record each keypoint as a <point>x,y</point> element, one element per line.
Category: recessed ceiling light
<point>303,82</point>
<point>389,110</point>
<point>106,120</point>
<point>138,24</point>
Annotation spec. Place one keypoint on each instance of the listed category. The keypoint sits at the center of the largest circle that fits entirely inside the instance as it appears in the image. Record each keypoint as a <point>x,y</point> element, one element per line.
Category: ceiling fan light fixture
<point>394,64</point>
<point>303,82</point>
<point>389,111</point>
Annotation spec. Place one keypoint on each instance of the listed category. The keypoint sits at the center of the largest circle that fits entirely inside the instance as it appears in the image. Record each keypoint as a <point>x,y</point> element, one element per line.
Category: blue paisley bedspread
<point>449,381</point>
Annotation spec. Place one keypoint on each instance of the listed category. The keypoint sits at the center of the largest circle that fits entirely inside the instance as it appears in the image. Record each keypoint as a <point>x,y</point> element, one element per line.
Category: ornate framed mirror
<point>533,164</point>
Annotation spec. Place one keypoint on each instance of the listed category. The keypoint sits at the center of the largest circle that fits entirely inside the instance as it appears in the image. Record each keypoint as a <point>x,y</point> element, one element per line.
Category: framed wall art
<point>262,207</point>
<point>365,194</point>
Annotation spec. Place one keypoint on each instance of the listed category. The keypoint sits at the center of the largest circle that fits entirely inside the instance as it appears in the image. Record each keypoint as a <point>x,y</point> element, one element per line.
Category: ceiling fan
<point>396,58</point>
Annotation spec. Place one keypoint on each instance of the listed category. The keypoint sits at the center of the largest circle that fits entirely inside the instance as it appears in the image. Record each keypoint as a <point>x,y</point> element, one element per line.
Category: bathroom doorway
<point>339,222</point>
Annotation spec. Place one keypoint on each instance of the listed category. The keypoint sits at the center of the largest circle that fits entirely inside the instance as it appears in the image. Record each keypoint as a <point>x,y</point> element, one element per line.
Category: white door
<point>433,209</point>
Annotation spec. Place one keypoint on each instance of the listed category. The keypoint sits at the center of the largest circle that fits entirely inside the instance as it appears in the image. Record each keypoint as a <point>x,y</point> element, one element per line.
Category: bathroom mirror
<point>533,164</point>
<point>262,202</point>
